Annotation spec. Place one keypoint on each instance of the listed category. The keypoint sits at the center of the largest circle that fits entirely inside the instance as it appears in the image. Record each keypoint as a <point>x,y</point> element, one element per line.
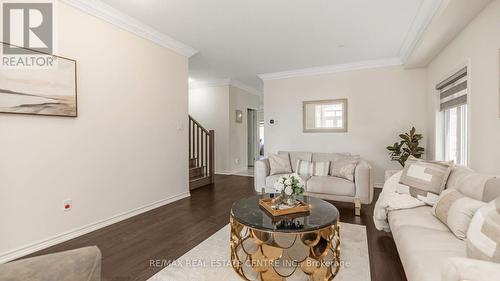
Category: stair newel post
<point>190,142</point>
<point>212,155</point>
<point>206,153</point>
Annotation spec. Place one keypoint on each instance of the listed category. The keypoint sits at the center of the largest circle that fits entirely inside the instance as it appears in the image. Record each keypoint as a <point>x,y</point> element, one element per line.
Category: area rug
<point>210,260</point>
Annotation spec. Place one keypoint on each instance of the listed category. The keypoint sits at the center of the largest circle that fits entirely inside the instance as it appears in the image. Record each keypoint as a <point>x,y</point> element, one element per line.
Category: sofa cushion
<point>423,177</point>
<point>472,184</point>
<point>321,169</point>
<point>423,242</point>
<point>304,168</point>
<point>344,167</point>
<point>296,156</point>
<point>491,190</point>
<point>82,264</point>
<point>456,269</point>
<point>456,211</point>
<point>483,236</point>
<point>280,164</point>
<point>418,217</point>
<point>423,251</point>
<point>271,180</point>
<point>328,157</point>
<point>330,185</point>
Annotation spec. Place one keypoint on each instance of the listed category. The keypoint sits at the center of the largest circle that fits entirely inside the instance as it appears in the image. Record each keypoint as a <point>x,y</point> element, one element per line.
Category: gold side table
<point>300,248</point>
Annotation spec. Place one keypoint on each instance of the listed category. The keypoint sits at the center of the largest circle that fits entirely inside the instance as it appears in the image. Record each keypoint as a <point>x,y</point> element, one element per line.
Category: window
<point>453,107</point>
<point>325,116</point>
<point>329,115</point>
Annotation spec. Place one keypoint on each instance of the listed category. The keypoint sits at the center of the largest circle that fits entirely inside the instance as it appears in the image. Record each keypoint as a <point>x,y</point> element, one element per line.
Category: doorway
<point>252,137</point>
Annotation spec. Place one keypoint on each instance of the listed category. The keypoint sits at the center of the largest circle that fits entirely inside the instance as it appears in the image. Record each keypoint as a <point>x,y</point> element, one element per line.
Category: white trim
<point>225,82</point>
<point>65,236</point>
<point>426,12</point>
<point>245,87</point>
<point>211,83</point>
<point>105,12</point>
<point>378,185</point>
<point>228,173</point>
<point>331,69</point>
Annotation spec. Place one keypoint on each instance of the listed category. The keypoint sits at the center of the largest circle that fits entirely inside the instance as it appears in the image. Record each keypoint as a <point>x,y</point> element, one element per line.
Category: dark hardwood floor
<point>170,231</point>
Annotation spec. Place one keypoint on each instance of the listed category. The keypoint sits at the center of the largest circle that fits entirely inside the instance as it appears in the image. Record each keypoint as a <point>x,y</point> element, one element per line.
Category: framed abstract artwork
<point>50,91</point>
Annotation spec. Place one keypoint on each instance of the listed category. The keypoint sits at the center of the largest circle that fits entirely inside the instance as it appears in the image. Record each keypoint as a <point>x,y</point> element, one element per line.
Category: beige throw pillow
<point>280,164</point>
<point>304,168</point>
<point>423,177</point>
<point>344,167</point>
<point>321,169</point>
<point>456,211</point>
<point>483,236</point>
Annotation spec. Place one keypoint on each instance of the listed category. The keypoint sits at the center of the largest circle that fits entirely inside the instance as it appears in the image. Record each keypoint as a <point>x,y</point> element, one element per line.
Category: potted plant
<point>409,145</point>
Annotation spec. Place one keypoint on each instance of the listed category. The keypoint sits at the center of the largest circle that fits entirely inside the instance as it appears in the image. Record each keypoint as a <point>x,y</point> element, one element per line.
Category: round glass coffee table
<point>294,247</point>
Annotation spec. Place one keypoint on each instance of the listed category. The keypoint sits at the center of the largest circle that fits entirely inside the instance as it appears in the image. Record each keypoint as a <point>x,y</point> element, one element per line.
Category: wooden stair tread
<point>199,182</point>
<point>198,178</point>
<point>196,172</point>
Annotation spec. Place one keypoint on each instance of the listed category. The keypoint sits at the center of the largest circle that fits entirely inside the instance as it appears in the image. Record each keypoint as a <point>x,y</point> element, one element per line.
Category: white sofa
<point>329,187</point>
<point>426,246</point>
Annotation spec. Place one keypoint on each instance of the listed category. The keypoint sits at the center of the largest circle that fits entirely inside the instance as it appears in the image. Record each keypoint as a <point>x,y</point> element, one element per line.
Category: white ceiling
<point>239,39</point>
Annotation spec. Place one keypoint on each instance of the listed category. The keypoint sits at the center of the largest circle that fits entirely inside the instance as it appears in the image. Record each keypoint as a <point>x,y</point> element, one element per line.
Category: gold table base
<point>270,256</point>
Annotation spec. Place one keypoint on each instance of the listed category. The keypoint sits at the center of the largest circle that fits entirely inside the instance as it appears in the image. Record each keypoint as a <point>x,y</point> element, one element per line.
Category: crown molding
<point>211,83</point>
<point>449,21</point>
<point>245,87</point>
<point>107,13</point>
<point>336,68</point>
<point>225,82</point>
<point>426,12</point>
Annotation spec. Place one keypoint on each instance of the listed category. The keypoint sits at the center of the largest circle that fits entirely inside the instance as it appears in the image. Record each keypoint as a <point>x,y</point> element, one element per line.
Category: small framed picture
<point>239,116</point>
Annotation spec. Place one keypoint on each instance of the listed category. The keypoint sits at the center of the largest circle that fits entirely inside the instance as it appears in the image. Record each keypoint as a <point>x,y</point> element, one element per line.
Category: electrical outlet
<point>67,205</point>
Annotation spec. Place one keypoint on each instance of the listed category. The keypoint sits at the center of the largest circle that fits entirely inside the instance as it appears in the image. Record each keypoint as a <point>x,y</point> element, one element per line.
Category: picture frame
<point>44,92</point>
<point>239,116</point>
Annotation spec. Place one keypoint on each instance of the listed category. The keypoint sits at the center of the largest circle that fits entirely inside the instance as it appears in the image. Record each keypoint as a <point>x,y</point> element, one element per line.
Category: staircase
<point>201,155</point>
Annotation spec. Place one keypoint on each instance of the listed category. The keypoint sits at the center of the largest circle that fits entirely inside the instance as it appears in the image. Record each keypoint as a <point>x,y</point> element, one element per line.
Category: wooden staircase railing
<point>201,155</point>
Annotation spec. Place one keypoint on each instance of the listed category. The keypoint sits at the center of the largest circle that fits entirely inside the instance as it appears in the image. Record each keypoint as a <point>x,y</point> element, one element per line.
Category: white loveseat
<point>327,187</point>
<point>426,246</point>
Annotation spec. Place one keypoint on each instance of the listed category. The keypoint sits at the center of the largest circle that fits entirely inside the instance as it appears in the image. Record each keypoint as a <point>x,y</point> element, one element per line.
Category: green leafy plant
<point>408,146</point>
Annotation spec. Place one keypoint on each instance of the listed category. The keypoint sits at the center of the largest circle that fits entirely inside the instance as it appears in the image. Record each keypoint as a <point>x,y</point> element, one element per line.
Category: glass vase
<point>288,200</point>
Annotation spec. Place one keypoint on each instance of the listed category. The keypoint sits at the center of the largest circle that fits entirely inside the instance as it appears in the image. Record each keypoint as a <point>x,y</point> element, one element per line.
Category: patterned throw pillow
<point>280,164</point>
<point>321,169</point>
<point>344,167</point>
<point>483,236</point>
<point>304,168</point>
<point>425,178</point>
<point>456,211</point>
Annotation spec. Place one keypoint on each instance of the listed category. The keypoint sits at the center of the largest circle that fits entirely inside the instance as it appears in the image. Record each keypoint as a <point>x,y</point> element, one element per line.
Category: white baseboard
<point>65,236</point>
<point>225,172</point>
<point>378,185</point>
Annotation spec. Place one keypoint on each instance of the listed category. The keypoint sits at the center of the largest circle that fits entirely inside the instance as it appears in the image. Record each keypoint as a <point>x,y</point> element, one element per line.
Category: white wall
<point>123,152</point>
<point>215,108</point>
<point>478,47</point>
<point>382,103</point>
<point>210,107</point>
<point>238,133</point>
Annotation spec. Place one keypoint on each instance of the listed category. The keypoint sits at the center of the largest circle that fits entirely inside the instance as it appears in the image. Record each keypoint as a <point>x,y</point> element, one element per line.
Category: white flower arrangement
<point>292,184</point>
